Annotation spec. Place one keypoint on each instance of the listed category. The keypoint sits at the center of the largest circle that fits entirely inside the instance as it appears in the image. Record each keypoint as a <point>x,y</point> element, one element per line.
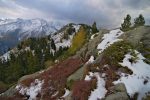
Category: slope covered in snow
<point>32,91</point>
<point>61,41</point>
<point>12,31</point>
<point>28,28</point>
<point>100,90</point>
<point>139,81</point>
<point>109,39</point>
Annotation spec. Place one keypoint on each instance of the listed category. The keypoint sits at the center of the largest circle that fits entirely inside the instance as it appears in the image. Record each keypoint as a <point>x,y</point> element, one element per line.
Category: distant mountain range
<point>14,30</point>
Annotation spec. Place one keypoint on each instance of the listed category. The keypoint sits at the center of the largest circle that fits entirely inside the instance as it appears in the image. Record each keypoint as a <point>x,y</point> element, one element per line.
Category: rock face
<point>119,88</point>
<point>77,75</point>
<point>140,39</point>
<point>119,93</point>
<point>90,48</point>
<point>118,96</point>
<point>138,35</point>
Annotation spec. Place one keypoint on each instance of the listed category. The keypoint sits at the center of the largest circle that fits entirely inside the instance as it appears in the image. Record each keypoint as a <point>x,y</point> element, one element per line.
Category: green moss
<point>134,57</point>
<point>115,53</point>
<point>3,87</point>
<point>70,84</point>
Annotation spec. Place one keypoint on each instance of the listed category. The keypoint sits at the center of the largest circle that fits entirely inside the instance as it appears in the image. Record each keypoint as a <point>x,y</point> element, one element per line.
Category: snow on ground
<point>88,77</point>
<point>139,81</point>
<point>91,60</point>
<point>27,49</point>
<point>59,41</point>
<point>77,27</point>
<point>100,91</point>
<point>109,39</point>
<point>93,36</point>
<point>31,91</point>
<point>5,56</point>
<point>65,43</point>
<point>66,93</point>
<point>55,94</point>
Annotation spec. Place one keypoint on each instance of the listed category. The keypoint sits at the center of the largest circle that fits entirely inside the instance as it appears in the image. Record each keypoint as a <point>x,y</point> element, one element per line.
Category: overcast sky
<point>107,13</point>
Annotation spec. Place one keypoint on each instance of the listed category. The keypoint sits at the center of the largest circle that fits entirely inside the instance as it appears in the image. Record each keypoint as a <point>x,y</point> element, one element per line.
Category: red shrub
<point>82,89</point>
<point>55,78</point>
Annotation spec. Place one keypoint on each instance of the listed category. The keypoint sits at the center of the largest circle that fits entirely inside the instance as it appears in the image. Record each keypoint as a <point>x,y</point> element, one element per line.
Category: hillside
<point>35,54</point>
<point>107,65</point>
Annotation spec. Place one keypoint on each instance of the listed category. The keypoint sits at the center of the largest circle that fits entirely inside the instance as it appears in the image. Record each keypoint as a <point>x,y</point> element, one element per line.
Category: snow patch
<point>59,41</point>
<point>100,91</point>
<point>139,81</point>
<point>88,77</point>
<point>91,60</point>
<point>66,93</point>
<point>77,27</point>
<point>109,39</point>
<point>5,56</point>
<point>93,36</point>
<point>32,91</point>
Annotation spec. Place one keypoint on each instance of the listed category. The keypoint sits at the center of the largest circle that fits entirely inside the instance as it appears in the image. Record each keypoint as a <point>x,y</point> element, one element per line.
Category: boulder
<point>118,96</point>
<point>91,47</point>
<point>120,87</point>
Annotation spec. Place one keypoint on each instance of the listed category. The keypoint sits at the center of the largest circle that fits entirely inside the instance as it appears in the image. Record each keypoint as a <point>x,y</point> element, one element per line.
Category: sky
<point>107,13</point>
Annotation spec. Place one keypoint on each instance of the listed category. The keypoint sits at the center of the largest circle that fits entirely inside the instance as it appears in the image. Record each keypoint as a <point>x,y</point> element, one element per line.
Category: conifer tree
<point>126,25</point>
<point>94,28</point>
<point>139,21</point>
<point>53,46</point>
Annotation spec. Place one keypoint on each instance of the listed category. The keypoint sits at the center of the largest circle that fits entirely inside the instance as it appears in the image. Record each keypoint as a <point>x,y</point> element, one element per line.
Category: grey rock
<point>69,96</point>
<point>119,88</point>
<point>10,92</point>
<point>139,38</point>
<point>117,96</point>
<point>77,75</point>
<point>90,48</point>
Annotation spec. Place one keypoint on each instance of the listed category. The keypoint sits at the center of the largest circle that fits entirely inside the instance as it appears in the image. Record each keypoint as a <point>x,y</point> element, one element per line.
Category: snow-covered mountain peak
<point>14,30</point>
<point>28,27</point>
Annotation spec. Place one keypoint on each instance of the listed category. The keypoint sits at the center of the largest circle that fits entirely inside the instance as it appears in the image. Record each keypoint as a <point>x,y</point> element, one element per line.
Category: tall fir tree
<point>53,46</point>
<point>126,25</point>
<point>94,28</point>
<point>139,21</point>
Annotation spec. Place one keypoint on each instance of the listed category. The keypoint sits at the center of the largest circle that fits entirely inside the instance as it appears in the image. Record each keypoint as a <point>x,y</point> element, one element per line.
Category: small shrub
<point>3,87</point>
<point>70,84</point>
<point>81,90</point>
<point>134,57</point>
<point>115,53</point>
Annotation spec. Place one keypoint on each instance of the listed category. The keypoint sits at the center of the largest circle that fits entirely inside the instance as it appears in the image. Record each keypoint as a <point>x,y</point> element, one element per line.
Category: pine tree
<point>53,45</point>
<point>139,21</point>
<point>94,28</point>
<point>126,25</point>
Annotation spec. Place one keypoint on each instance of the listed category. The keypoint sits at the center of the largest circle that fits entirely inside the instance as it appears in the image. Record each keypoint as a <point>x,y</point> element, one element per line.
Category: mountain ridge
<point>12,31</point>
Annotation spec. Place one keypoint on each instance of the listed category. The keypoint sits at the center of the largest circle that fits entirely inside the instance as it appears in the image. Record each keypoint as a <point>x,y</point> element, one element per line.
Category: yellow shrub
<point>78,40</point>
